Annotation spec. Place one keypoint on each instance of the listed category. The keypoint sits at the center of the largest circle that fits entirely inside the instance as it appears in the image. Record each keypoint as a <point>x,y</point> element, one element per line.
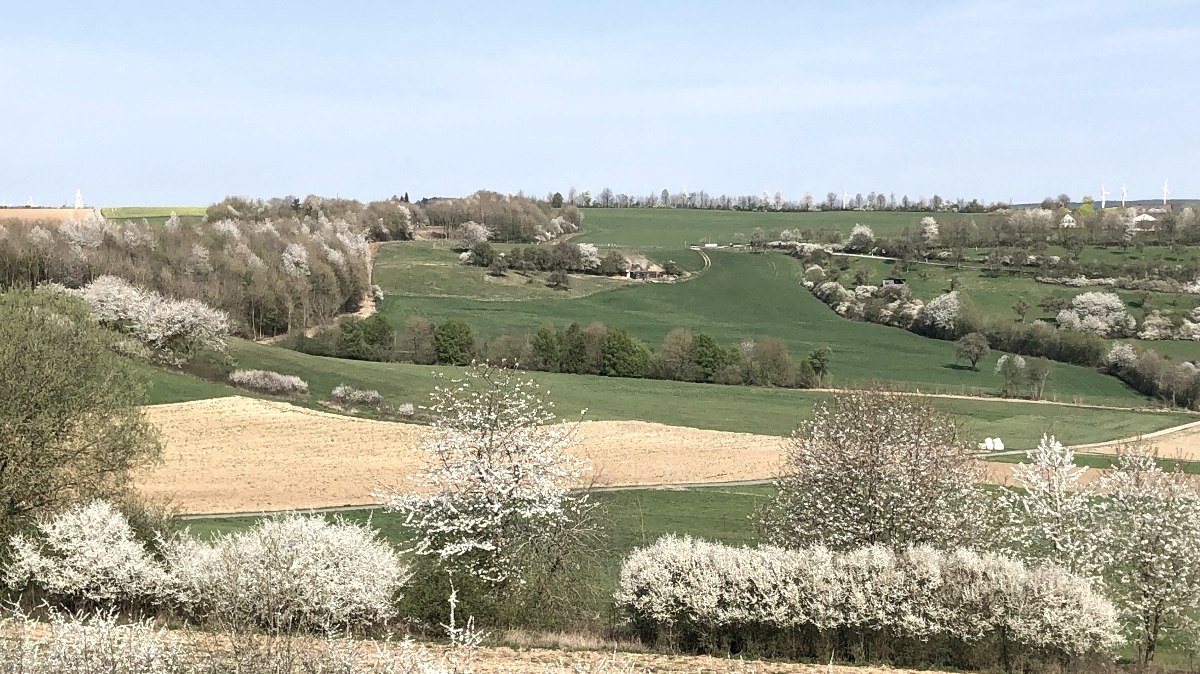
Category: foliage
<point>879,602</point>
<point>972,347</point>
<point>85,554</point>
<point>454,342</point>
<point>285,573</point>
<point>70,428</point>
<point>344,394</point>
<point>266,274</point>
<point>272,383</point>
<point>625,356</point>
<point>941,314</point>
<point>175,329</point>
<point>1011,369</point>
<point>875,468</point>
<point>1098,313</point>
<point>495,499</point>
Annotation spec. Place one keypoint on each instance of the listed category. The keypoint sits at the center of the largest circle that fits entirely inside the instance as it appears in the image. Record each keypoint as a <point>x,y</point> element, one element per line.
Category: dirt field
<point>1182,444</point>
<point>244,455</point>
<point>49,214</point>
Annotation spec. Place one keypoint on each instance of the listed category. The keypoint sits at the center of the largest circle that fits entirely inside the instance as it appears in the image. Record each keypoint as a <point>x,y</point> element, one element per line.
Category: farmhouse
<point>648,270</point>
<point>1145,223</point>
<point>1068,222</point>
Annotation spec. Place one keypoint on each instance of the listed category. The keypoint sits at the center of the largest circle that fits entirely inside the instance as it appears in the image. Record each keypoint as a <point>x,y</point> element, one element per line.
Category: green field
<point>647,228</point>
<point>993,294</point>
<point>431,269</point>
<point>745,295</point>
<point>151,212</point>
<point>745,409</point>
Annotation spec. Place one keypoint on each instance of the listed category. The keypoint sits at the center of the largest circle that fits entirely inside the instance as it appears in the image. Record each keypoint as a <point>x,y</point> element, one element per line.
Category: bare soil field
<point>241,454</point>
<point>236,454</point>
<point>48,214</point>
<point>1181,443</point>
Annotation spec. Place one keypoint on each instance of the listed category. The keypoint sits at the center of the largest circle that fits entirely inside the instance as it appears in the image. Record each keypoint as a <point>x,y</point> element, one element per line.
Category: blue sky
<point>182,103</point>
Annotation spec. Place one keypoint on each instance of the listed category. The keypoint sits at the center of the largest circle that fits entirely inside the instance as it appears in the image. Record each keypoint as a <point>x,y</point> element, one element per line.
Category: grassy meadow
<point>765,411</point>
<point>745,295</point>
<point>678,228</point>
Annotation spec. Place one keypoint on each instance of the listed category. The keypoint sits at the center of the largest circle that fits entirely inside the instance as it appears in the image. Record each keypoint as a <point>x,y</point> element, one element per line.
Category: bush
<point>913,605</point>
<point>272,383</point>
<point>290,572</point>
<point>87,554</point>
<point>344,394</point>
<point>454,342</point>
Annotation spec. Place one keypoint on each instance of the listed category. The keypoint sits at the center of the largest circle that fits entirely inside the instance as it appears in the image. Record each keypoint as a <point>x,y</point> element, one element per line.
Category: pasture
<point>648,228</point>
<point>741,409</point>
<point>431,269</point>
<point>746,296</point>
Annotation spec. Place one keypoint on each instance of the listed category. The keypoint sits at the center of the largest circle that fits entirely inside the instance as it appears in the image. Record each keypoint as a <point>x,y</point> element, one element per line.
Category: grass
<point>1109,460</point>
<point>747,296</point>
<point>432,269</point>
<point>676,228</point>
<point>149,212</point>
<point>993,294</point>
<point>763,411</point>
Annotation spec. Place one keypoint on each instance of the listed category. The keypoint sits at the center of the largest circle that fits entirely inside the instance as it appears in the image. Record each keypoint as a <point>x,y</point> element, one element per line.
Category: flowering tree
<point>175,329</point>
<point>929,229</point>
<point>875,468</point>
<point>1152,535</point>
<point>87,553</point>
<point>495,498</point>
<point>690,590</point>
<point>940,315</point>
<point>862,239</point>
<point>1011,369</point>
<point>1051,514</point>
<point>470,233</point>
<point>1099,313</point>
<point>1120,357</point>
<point>285,573</point>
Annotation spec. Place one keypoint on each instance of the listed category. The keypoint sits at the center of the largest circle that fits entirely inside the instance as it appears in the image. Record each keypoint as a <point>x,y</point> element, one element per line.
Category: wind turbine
<point>1103,196</point>
<point>1165,192</point>
<point>1124,195</point>
<point>845,195</point>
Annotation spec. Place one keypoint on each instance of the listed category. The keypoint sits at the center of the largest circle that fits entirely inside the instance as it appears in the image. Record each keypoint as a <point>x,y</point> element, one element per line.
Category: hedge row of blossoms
<point>915,604</point>
<point>268,275</point>
<point>285,573</point>
<point>173,330</point>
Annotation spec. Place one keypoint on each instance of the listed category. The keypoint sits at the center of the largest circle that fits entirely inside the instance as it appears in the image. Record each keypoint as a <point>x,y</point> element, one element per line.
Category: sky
<point>159,103</point>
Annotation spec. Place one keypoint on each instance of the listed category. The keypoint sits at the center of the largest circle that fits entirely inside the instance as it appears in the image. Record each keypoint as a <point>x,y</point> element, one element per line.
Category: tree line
<point>595,348</point>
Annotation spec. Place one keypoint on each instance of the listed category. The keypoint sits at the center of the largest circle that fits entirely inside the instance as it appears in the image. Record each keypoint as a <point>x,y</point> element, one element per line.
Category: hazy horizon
<point>153,104</point>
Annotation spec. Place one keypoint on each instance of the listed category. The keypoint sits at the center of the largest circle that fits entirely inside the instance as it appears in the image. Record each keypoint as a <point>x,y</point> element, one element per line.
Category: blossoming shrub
<point>1097,313</point>
<point>266,381</point>
<point>955,607</point>
<point>290,572</point>
<point>87,554</point>
<point>345,394</point>
<point>173,329</point>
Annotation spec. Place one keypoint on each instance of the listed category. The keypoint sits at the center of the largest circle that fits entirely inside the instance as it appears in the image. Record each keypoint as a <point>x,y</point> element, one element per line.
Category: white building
<point>1068,221</point>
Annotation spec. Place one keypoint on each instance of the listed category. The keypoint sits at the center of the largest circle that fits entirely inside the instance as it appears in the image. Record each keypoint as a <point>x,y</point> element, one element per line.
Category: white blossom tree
<point>1120,356</point>
<point>1099,313</point>
<point>929,229</point>
<point>1011,370</point>
<point>1052,514</point>
<point>875,468</point>
<point>495,498</point>
<point>941,314</point>
<point>862,239</point>
<point>1152,536</point>
<point>470,233</point>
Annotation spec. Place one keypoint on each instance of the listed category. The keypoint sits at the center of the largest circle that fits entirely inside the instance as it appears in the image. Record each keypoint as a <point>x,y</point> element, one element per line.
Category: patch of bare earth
<point>241,454</point>
<point>245,455</point>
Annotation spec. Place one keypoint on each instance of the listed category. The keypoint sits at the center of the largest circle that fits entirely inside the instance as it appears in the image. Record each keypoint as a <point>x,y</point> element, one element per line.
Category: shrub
<point>88,553</point>
<point>272,383</point>
<point>290,572</point>
<point>454,342</point>
<point>345,394</point>
<point>1120,357</point>
<point>918,600</point>
<point>1097,313</point>
<point>941,315</point>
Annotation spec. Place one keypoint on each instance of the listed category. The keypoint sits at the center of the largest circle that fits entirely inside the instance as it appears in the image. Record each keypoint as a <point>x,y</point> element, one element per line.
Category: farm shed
<point>893,281</point>
<point>640,272</point>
